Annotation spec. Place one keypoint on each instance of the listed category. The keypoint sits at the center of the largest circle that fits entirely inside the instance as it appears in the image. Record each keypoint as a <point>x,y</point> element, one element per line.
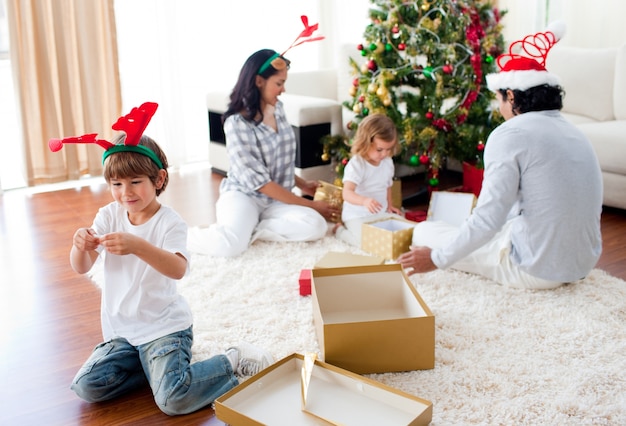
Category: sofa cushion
<point>587,76</point>
<point>608,143</point>
<point>620,84</point>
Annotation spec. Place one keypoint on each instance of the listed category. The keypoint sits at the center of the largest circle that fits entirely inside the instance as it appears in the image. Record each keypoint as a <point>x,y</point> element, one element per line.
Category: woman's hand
<point>308,187</point>
<point>330,212</point>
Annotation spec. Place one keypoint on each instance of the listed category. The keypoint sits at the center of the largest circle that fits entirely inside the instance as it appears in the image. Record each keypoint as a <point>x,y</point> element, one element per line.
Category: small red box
<point>416,216</point>
<point>305,282</point>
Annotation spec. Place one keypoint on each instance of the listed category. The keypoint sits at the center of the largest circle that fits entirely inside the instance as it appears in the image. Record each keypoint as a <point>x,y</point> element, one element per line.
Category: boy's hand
<point>119,243</point>
<point>85,239</point>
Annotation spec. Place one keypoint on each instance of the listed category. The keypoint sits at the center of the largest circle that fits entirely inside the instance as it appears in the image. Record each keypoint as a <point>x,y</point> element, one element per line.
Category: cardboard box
<point>370,319</point>
<point>451,207</point>
<point>274,397</point>
<point>388,238</point>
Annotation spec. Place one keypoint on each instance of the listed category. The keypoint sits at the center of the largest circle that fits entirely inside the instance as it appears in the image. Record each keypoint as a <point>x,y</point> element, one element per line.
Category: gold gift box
<point>331,193</point>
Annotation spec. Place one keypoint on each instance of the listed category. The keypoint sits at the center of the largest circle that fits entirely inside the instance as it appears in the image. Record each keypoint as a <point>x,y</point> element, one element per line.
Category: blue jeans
<point>179,387</point>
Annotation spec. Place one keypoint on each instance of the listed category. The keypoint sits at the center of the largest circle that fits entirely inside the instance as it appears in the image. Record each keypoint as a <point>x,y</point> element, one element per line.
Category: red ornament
<point>395,29</point>
<point>371,65</point>
<point>424,159</point>
<point>355,82</point>
<point>344,161</point>
<point>361,98</point>
<point>401,46</point>
<point>447,68</point>
<point>429,115</point>
<point>359,46</point>
<point>480,146</point>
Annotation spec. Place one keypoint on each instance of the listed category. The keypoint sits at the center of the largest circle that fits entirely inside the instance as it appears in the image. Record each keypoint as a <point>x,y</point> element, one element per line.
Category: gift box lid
<point>275,397</point>
<point>451,207</point>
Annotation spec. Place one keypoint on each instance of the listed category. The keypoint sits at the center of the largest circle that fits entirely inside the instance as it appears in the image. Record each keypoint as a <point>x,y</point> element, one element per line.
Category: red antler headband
<point>307,32</point>
<point>133,124</point>
<point>527,68</point>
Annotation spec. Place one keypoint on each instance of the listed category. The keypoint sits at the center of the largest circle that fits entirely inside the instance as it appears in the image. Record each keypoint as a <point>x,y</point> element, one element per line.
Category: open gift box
<point>280,395</point>
<point>370,319</point>
<point>388,238</point>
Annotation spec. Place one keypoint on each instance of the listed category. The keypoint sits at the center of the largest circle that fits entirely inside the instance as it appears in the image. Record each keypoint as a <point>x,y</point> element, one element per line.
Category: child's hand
<point>372,205</point>
<point>119,243</point>
<point>395,210</point>
<point>85,239</point>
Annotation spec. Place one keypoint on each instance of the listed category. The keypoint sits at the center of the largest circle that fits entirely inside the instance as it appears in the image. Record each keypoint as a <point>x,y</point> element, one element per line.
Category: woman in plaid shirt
<point>256,200</point>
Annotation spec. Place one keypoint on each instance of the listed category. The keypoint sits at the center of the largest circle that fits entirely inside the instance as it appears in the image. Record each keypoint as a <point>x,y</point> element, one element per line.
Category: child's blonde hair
<point>374,126</point>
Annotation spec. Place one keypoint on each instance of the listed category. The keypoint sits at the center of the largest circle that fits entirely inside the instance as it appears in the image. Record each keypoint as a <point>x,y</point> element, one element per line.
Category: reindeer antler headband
<point>133,124</point>
<point>527,68</point>
<point>277,61</point>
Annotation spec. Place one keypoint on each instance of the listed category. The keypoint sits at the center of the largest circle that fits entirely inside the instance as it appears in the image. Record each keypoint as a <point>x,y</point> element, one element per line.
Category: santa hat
<point>527,67</point>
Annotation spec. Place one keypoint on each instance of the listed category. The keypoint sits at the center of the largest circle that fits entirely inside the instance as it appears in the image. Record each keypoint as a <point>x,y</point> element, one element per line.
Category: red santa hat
<point>524,66</point>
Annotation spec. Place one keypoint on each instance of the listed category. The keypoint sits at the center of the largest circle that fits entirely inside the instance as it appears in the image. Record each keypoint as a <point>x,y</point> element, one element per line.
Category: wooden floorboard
<point>49,315</point>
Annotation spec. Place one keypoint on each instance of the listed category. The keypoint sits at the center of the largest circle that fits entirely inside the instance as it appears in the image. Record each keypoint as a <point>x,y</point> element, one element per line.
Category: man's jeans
<point>179,387</point>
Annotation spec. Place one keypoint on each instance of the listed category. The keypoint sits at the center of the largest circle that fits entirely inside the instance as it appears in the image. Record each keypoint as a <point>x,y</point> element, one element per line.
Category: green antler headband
<point>277,60</point>
<point>133,124</point>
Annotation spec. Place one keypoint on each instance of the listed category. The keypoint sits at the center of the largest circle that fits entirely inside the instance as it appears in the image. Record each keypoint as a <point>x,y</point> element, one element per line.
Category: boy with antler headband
<point>537,221</point>
<point>146,324</point>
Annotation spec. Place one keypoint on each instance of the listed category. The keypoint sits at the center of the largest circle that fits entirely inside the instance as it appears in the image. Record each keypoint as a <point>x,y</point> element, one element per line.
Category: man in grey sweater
<point>537,220</point>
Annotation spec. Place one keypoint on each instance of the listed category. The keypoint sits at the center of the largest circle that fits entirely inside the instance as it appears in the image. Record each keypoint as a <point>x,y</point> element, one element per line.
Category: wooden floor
<point>49,315</point>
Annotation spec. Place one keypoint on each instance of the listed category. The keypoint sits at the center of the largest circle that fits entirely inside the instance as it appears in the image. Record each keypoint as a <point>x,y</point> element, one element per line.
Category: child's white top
<point>371,181</point>
<point>139,303</point>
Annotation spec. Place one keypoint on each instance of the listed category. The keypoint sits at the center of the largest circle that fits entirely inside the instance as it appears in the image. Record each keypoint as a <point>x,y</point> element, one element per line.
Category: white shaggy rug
<point>503,356</point>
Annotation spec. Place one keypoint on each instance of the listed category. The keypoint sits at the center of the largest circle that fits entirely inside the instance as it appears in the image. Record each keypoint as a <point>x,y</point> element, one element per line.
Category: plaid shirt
<point>258,155</point>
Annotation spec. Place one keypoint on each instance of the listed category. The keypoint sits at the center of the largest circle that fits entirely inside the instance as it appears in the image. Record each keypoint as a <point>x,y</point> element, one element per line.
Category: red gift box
<point>416,216</point>
<point>305,282</point>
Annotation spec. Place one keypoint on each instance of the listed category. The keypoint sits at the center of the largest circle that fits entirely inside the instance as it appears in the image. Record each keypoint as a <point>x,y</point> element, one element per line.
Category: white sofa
<point>312,117</point>
<point>594,81</point>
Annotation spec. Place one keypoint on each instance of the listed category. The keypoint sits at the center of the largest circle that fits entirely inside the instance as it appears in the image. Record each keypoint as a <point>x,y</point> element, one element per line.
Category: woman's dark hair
<point>245,97</point>
<point>538,98</point>
<point>124,164</point>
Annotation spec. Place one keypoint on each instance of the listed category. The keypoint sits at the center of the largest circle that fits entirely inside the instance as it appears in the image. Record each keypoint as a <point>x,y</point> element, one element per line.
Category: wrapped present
<point>331,193</point>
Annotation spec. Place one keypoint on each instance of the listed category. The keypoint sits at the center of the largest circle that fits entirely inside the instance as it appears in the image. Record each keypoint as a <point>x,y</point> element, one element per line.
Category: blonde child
<point>368,177</point>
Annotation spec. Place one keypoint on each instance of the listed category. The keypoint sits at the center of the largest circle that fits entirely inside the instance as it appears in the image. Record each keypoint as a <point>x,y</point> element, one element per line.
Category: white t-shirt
<point>138,303</point>
<point>371,181</point>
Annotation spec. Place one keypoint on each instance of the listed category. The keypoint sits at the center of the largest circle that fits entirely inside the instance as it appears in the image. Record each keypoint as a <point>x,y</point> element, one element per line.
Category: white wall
<point>592,24</point>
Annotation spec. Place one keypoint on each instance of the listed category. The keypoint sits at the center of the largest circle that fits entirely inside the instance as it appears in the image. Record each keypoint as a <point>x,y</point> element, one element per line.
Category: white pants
<point>492,260</point>
<point>242,219</point>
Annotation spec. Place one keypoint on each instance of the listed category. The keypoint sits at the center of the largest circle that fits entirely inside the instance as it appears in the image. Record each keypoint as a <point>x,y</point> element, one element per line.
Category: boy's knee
<point>87,393</point>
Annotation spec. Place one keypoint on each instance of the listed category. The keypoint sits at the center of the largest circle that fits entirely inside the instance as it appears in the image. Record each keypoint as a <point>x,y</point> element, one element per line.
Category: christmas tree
<point>424,66</point>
